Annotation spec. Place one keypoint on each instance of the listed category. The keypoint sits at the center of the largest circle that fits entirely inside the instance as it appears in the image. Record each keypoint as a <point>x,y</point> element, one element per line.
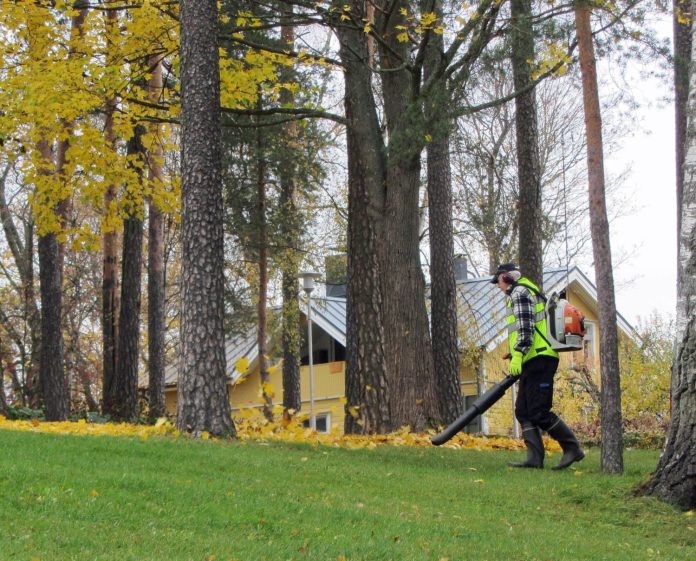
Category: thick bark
<point>156,283</point>
<point>675,477</point>
<point>54,387</point>
<point>368,404</point>
<point>527,136</point>
<point>443,287</point>
<point>610,408</point>
<point>203,404</point>
<point>408,346</point>
<point>289,259</point>
<point>110,246</point>
<point>122,400</point>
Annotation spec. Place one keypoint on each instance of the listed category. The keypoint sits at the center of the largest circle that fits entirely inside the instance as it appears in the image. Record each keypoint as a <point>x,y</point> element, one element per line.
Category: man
<point>535,363</point>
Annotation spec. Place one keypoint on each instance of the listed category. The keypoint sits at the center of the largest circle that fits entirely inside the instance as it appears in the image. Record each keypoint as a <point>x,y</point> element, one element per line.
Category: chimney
<point>336,267</point>
<point>460,268</point>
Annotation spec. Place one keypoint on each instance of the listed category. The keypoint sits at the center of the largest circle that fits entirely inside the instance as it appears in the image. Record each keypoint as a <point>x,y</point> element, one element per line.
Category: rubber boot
<point>571,447</point>
<point>535,448</point>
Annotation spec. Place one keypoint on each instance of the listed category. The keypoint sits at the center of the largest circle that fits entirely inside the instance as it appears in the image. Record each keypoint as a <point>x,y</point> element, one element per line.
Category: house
<point>483,342</point>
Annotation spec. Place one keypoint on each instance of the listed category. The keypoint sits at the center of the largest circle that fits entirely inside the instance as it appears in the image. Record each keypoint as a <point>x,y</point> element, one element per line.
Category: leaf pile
<point>255,428</point>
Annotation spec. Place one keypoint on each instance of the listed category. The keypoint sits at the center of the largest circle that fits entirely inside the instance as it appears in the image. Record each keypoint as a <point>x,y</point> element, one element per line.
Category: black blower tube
<point>480,406</point>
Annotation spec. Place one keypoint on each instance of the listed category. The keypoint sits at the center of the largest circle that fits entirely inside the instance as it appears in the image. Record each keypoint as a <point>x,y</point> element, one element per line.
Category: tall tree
<point>675,477</point>
<point>156,283</point>
<point>110,235</point>
<point>443,288</point>
<point>121,398</point>
<point>367,406</point>
<point>610,408</point>
<point>681,18</point>
<point>203,404</point>
<point>526,129</point>
<point>290,240</point>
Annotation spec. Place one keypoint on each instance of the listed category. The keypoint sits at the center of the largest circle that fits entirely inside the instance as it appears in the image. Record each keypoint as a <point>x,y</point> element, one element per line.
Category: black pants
<point>535,392</point>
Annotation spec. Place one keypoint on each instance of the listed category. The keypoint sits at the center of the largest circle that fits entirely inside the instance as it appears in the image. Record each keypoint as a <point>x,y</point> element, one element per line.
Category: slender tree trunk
<point>610,408</point>
<point>110,245</point>
<point>23,256</point>
<point>156,283</point>
<point>203,396</point>
<point>443,287</point>
<point>682,55</point>
<point>264,376</point>
<point>675,478</point>
<point>367,407</point>
<point>289,259</point>
<point>123,403</point>
<point>408,347</point>
<point>528,166</point>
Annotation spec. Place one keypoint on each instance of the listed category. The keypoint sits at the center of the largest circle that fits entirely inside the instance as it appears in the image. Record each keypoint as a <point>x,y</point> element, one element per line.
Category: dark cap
<point>504,268</point>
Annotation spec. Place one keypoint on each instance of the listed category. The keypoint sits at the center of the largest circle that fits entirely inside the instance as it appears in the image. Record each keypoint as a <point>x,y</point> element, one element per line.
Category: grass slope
<point>99,498</point>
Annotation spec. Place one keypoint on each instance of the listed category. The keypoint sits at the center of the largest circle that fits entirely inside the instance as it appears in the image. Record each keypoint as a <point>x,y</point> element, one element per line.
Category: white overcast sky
<point>646,281</point>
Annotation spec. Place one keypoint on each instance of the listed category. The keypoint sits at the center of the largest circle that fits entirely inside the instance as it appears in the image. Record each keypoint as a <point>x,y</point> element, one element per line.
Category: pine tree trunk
<point>156,283</point>
<point>408,348</point>
<point>289,259</point>
<point>675,478</point>
<point>110,246</point>
<point>367,394</point>
<point>528,166</point>
<point>122,404</point>
<point>610,407</point>
<point>203,400</point>
<point>443,287</point>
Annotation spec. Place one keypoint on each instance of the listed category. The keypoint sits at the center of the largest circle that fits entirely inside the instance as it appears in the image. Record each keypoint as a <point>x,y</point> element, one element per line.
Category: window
<point>323,422</point>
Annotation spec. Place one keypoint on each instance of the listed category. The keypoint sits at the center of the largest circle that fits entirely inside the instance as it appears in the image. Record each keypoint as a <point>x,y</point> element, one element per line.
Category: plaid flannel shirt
<point>523,304</point>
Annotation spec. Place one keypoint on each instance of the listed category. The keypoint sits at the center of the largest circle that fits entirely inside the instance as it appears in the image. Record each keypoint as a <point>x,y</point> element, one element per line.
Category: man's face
<point>502,285</point>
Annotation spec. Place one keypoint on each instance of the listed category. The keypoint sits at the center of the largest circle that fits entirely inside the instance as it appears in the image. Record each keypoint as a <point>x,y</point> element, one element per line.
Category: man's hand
<point>516,364</point>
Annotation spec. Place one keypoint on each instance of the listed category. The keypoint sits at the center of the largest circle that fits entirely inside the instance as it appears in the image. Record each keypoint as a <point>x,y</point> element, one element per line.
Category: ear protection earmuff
<point>508,278</point>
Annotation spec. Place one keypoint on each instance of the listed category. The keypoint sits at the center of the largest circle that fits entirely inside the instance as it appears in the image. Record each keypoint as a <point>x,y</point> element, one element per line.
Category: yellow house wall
<point>329,384</point>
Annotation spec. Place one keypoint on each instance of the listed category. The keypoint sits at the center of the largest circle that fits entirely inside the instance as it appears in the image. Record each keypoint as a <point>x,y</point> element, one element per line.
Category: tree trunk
<point>203,400</point>
<point>122,403</point>
<point>289,258</point>
<point>675,477</point>
<point>682,56</point>
<point>408,348</point>
<point>156,283</point>
<point>54,387</point>
<point>110,244</point>
<point>443,287</point>
<point>367,406</point>
<point>610,408</point>
<point>264,376</point>
<point>528,166</point>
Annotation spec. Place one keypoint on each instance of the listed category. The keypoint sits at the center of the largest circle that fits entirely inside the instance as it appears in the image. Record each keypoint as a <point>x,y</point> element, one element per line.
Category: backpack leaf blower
<point>482,404</point>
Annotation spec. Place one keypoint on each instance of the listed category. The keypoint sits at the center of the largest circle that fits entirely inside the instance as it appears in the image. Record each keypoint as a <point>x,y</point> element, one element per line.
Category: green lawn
<point>100,498</point>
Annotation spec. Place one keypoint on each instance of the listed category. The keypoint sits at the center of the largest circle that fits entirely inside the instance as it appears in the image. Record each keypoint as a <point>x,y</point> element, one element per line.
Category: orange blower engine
<point>565,324</point>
